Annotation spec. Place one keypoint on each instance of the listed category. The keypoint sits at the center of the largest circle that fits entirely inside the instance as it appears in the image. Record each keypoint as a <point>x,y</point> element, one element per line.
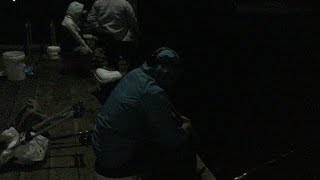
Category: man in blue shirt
<point>137,129</point>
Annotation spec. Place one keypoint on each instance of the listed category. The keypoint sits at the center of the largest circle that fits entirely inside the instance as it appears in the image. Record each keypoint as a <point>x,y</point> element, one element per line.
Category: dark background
<point>250,84</point>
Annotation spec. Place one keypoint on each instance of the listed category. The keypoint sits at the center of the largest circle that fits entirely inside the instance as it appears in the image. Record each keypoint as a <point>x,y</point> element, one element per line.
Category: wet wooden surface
<point>54,92</point>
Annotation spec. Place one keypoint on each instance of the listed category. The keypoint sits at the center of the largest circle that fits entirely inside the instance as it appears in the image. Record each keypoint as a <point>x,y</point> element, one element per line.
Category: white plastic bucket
<point>13,61</point>
<point>53,52</point>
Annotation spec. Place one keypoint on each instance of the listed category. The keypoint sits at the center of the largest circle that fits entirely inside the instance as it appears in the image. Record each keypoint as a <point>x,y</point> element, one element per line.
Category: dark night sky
<point>13,15</point>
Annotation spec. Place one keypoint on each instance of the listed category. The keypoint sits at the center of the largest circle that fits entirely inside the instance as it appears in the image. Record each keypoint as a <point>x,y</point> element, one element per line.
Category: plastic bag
<point>33,151</point>
<point>8,153</point>
<point>26,154</point>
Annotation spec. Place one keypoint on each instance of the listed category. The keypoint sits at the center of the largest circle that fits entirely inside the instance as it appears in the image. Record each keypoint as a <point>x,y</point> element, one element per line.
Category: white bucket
<point>13,61</point>
<point>53,52</point>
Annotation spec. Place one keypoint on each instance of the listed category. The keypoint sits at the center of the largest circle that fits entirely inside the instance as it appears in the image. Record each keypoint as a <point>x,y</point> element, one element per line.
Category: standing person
<point>115,24</point>
<point>137,132</point>
<point>73,46</point>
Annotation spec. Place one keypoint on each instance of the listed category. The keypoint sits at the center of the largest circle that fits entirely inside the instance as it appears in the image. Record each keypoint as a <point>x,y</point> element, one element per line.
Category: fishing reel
<point>85,138</point>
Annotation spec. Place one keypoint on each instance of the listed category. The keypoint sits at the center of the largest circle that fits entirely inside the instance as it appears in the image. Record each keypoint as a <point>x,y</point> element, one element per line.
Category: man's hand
<point>186,126</point>
<point>181,118</point>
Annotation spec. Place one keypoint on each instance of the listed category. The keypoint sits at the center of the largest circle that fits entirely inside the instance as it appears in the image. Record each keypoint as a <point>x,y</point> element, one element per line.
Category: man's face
<point>169,76</point>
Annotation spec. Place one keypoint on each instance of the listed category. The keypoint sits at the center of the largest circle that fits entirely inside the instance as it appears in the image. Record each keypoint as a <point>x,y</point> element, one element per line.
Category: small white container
<point>53,52</point>
<point>13,61</point>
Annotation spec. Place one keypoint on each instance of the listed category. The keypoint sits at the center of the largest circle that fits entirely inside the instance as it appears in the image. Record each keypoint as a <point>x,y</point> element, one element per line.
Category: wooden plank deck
<point>53,92</point>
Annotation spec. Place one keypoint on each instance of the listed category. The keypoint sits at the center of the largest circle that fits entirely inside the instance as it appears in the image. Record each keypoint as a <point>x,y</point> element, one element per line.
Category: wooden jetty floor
<point>53,91</point>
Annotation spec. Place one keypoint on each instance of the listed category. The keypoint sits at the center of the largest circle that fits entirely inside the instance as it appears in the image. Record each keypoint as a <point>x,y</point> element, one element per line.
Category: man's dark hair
<point>153,59</point>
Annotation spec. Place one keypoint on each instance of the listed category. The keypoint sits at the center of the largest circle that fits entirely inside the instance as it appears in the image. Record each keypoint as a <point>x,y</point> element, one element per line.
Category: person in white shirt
<point>115,24</point>
<point>75,51</point>
<point>114,17</point>
<point>71,26</point>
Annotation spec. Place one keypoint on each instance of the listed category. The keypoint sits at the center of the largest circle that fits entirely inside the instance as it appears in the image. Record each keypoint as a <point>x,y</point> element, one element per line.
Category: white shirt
<point>116,17</point>
<point>70,22</point>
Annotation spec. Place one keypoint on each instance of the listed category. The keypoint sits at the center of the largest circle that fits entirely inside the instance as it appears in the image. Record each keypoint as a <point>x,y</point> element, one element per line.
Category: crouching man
<point>75,51</point>
<point>137,134</point>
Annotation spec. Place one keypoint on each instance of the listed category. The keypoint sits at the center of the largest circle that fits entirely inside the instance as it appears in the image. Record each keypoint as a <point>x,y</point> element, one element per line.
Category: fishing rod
<point>264,165</point>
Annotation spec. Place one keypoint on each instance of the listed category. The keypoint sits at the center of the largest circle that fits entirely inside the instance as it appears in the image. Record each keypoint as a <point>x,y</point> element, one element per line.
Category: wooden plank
<point>40,173</point>
<point>23,90</point>
<point>79,90</point>
<point>8,93</point>
<point>63,156</point>
<point>26,91</point>
<point>62,99</point>
<point>94,109</point>
<point>87,172</point>
<point>10,97</point>
<point>65,173</point>
<point>10,176</point>
<point>63,162</point>
<point>17,95</point>
<point>54,93</point>
<point>53,96</point>
<point>42,94</point>
<point>43,171</point>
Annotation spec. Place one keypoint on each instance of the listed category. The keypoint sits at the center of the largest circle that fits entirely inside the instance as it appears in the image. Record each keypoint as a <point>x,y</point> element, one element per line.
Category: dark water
<point>263,75</point>
<point>250,88</point>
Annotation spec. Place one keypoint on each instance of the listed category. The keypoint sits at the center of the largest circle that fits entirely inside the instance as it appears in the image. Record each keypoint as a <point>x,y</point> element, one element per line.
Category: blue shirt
<point>136,113</point>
